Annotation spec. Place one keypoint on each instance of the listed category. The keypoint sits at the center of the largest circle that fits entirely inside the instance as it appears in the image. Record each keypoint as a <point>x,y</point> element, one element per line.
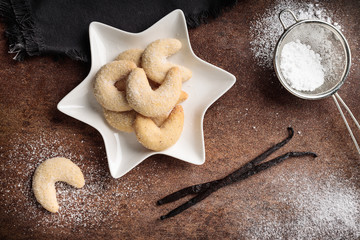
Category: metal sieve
<point>329,42</point>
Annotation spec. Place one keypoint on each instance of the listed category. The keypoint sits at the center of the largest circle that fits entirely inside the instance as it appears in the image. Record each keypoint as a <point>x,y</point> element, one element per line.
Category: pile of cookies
<point>140,91</point>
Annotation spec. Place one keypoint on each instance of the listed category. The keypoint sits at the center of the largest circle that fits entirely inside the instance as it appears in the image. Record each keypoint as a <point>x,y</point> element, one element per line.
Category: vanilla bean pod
<point>202,187</point>
<point>232,179</point>
<point>256,169</point>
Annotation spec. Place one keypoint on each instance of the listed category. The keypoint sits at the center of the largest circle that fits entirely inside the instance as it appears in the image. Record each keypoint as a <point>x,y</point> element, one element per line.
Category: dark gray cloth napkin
<point>60,27</point>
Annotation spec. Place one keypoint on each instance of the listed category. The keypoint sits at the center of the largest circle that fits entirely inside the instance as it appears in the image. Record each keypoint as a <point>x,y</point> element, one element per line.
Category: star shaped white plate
<point>207,84</point>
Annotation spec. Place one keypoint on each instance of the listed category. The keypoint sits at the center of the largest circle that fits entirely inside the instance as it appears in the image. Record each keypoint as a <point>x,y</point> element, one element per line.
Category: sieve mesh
<point>329,43</point>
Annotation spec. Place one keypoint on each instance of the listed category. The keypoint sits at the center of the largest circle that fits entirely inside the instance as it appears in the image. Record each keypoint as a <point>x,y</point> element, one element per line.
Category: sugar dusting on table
<point>314,209</point>
<point>266,29</point>
<point>329,207</point>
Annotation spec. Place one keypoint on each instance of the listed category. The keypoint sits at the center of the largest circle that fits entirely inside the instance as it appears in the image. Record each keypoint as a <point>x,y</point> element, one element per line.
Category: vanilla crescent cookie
<point>122,121</point>
<point>160,138</point>
<point>51,171</point>
<point>154,60</point>
<point>133,55</point>
<point>153,103</point>
<point>161,119</point>
<point>106,93</point>
<point>183,97</point>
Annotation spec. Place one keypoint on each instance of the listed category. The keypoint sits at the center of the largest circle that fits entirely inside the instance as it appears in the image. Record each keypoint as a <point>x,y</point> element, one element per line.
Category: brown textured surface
<point>248,119</point>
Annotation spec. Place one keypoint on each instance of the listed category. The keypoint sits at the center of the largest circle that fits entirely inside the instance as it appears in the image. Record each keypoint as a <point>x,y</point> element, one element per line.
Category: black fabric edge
<point>77,55</point>
<point>20,29</point>
<point>23,40</point>
<point>194,20</point>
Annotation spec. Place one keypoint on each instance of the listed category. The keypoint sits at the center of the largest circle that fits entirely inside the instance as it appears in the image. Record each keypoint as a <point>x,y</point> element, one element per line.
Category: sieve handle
<point>338,99</point>
<point>289,11</point>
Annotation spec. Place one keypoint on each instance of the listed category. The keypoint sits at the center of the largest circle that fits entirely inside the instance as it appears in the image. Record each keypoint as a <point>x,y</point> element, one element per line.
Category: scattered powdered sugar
<point>85,207</point>
<point>266,29</point>
<point>314,210</point>
<point>301,66</point>
<point>305,207</point>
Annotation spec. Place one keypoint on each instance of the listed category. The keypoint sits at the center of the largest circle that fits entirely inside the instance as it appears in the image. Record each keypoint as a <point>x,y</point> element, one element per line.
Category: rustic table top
<point>302,198</point>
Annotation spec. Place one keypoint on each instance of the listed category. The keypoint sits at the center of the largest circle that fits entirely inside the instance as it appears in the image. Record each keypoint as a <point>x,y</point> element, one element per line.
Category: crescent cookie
<point>183,97</point>
<point>122,121</point>
<point>161,119</point>
<point>51,171</point>
<point>153,103</point>
<point>160,138</point>
<point>155,63</point>
<point>133,55</point>
<point>106,93</point>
